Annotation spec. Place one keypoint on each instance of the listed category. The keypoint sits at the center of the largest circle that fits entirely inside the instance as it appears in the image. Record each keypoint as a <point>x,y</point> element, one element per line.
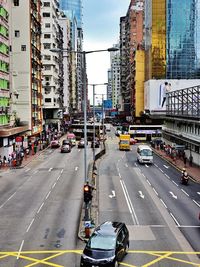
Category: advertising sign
<point>107,104</point>
<point>155,92</point>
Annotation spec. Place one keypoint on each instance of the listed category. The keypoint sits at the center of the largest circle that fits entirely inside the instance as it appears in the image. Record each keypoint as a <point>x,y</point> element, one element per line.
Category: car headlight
<point>110,259</point>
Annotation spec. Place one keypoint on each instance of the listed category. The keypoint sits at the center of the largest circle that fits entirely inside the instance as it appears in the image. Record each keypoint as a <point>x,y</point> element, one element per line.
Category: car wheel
<point>126,249</point>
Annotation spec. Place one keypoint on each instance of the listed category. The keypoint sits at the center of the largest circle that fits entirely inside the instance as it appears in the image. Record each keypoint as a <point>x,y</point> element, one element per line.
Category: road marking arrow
<point>146,165</point>
<point>113,194</point>
<point>141,194</point>
<point>76,168</point>
<point>166,166</point>
<point>174,196</point>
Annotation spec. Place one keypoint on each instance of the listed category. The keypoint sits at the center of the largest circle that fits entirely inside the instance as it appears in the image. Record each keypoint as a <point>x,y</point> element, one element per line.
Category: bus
<point>78,130</point>
<point>145,132</point>
<point>144,154</point>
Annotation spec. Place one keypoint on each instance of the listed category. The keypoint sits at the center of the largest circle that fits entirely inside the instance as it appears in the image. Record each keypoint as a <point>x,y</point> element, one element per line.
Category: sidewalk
<point>193,171</point>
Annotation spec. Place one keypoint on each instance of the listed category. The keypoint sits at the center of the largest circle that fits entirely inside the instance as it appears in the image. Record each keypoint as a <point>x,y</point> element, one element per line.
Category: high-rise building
<point>73,11</point>
<point>26,65</point>
<point>52,74</point>
<point>4,66</point>
<point>75,6</point>
<point>132,59</point>
<point>172,37</point>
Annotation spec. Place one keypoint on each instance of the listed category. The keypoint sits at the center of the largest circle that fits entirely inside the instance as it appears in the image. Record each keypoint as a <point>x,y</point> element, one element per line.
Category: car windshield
<point>101,242</point>
<point>146,152</point>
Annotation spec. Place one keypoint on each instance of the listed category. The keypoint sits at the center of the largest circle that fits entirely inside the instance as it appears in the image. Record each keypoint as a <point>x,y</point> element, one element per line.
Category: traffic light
<point>87,193</point>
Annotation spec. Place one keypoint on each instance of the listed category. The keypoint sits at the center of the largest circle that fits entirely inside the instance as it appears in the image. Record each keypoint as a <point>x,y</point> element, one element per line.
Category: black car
<point>108,244</point>
<point>81,143</point>
<point>66,146</point>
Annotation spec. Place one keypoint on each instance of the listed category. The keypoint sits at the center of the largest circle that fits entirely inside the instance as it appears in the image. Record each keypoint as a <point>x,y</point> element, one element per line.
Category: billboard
<point>155,92</point>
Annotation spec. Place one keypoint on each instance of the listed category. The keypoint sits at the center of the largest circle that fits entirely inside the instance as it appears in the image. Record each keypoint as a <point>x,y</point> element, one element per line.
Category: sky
<point>101,19</point>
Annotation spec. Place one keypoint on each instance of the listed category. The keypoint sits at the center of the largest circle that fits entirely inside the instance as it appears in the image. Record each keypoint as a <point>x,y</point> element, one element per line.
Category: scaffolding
<point>184,103</point>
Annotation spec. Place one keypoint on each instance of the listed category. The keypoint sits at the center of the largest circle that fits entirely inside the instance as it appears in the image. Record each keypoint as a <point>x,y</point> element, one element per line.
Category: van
<point>144,154</point>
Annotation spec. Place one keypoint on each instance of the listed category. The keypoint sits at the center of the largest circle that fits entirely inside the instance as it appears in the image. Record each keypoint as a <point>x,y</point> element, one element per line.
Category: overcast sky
<point>101,20</point>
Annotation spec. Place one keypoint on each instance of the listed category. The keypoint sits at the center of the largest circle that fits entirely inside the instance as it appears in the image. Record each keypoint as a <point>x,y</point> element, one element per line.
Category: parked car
<point>108,244</point>
<point>95,143</point>
<point>55,144</point>
<point>81,143</point>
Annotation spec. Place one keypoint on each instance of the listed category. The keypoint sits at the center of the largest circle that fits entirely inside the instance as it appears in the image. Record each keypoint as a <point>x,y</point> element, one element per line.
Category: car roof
<point>109,228</point>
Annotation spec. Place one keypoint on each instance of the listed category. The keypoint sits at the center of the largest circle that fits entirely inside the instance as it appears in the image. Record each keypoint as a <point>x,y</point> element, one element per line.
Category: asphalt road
<point>144,197</point>
<point>40,208</point>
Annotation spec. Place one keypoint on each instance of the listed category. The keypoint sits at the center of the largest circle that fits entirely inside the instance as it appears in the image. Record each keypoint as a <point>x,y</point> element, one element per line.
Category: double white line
<point>129,203</point>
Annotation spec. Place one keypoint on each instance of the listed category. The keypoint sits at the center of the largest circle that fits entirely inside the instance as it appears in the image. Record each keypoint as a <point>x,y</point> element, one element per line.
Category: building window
<point>47,36</point>
<point>16,2</point>
<point>17,33</point>
<point>23,47</point>
<point>47,46</point>
<point>47,67</point>
<point>47,57</point>
<point>47,4</point>
<point>47,100</point>
<point>46,15</point>
<point>47,25</point>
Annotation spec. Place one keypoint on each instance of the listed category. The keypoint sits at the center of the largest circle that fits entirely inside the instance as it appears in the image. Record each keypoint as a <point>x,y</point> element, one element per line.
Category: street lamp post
<point>58,50</point>
<point>93,85</point>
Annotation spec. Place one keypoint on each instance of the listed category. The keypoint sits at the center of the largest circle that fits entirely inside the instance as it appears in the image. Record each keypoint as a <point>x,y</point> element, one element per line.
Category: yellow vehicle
<point>124,142</point>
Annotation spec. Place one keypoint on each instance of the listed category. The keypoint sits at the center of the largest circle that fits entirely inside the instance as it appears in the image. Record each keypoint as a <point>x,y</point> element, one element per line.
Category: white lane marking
<point>79,150</point>
<point>76,168</point>
<point>58,178</point>
<point>128,201</point>
<point>156,165</point>
<point>167,167</point>
<point>30,225</point>
<point>155,191</point>
<point>50,169</point>
<point>27,170</point>
<point>113,194</point>
<point>8,200</point>
<point>161,170</point>
<point>175,219</point>
<point>147,166</point>
<point>167,176</point>
<point>40,207</point>
<point>126,165</point>
<point>185,192</point>
<point>120,175</point>
<point>148,182</point>
<point>189,226</point>
<point>48,194</point>
<point>143,175</point>
<point>20,249</point>
<point>35,171</point>
<point>174,196</point>
<point>198,193</point>
<point>196,203</point>
<point>61,171</point>
<point>53,185</point>
<point>175,183</point>
<point>136,164</point>
<point>163,203</point>
<point>141,194</point>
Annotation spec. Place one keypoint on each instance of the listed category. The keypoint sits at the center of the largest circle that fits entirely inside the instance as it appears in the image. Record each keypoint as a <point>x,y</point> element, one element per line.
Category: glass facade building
<point>172,44</point>
<point>183,39</point>
<point>75,6</point>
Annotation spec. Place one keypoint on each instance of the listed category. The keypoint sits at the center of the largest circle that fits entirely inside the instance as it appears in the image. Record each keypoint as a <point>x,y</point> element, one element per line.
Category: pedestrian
<point>0,161</point>
<point>191,160</point>
<point>185,161</point>
<point>4,161</point>
<point>10,160</point>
